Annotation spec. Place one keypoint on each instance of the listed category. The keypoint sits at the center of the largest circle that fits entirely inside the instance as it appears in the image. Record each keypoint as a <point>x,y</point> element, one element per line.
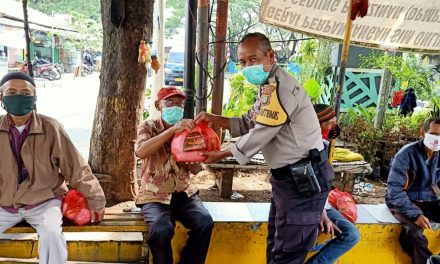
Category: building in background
<point>50,37</point>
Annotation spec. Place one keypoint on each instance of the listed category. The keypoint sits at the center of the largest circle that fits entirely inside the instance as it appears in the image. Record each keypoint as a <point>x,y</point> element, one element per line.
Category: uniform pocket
<point>300,231</point>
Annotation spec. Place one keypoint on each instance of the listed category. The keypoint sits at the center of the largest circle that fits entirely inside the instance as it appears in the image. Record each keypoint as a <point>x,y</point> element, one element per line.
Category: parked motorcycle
<point>46,71</point>
<point>39,62</point>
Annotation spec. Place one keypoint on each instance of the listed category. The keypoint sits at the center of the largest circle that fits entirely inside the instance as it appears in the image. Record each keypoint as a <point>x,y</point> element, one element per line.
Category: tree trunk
<point>120,101</point>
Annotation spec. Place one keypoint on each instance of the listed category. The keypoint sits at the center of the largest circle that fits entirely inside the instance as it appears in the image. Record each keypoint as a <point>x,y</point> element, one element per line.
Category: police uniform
<point>283,125</point>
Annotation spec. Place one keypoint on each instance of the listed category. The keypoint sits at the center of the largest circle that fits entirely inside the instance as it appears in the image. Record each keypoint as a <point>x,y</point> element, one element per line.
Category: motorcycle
<point>43,62</point>
<point>46,71</point>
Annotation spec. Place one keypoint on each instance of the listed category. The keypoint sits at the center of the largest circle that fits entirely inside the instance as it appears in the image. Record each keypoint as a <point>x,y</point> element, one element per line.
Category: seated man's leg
<point>341,244</point>
<point>8,220</point>
<point>412,240</point>
<point>160,222</point>
<point>47,220</point>
<point>196,218</point>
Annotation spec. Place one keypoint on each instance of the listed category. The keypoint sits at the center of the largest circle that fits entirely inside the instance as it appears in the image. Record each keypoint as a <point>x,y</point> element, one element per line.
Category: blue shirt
<point>411,178</point>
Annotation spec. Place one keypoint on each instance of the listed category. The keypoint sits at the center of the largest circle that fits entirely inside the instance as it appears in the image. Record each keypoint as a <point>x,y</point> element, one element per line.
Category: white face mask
<point>432,142</point>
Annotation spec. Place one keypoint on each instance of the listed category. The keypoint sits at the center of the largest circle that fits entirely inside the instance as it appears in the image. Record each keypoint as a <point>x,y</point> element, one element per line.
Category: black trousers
<point>412,240</point>
<point>161,222</point>
<point>293,223</point>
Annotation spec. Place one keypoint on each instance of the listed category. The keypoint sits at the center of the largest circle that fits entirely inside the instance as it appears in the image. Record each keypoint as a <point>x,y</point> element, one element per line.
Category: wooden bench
<point>239,236</point>
<point>120,231</point>
<point>225,179</point>
<point>345,174</point>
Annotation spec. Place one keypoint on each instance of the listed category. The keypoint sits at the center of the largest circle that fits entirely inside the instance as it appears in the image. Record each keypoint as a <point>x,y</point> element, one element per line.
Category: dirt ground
<point>254,186</point>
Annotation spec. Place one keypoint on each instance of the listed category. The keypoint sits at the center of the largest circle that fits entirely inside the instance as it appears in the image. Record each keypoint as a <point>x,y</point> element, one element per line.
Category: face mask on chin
<point>18,105</point>
<point>432,142</point>
<point>172,114</point>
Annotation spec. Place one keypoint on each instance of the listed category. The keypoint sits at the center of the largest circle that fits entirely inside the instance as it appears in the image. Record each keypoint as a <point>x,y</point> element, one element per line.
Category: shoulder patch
<point>272,112</point>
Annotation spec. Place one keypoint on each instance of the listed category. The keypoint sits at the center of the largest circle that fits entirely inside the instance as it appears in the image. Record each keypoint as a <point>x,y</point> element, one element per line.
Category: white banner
<point>406,25</point>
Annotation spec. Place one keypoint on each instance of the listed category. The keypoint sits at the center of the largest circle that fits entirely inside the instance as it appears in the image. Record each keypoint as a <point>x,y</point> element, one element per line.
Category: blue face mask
<point>255,74</point>
<point>172,114</point>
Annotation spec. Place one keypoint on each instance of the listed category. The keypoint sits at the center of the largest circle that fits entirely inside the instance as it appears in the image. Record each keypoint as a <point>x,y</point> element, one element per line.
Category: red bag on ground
<point>344,203</point>
<point>397,98</point>
<point>187,145</point>
<point>75,208</point>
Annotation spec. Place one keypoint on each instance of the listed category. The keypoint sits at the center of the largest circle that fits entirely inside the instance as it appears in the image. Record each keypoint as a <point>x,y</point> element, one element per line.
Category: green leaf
<point>313,89</point>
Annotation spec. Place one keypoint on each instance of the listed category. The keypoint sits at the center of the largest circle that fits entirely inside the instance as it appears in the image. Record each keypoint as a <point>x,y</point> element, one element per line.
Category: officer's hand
<point>203,116</point>
<point>328,225</point>
<point>96,215</point>
<point>184,124</point>
<point>214,156</point>
<point>423,222</point>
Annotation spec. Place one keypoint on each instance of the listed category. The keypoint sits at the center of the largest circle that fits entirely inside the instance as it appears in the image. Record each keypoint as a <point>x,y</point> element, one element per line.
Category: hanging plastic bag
<point>155,64</point>
<point>75,208</point>
<point>344,203</point>
<point>187,145</point>
<point>397,98</point>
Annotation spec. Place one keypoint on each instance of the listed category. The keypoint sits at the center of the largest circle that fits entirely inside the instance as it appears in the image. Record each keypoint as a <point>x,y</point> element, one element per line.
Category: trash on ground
<point>236,195</point>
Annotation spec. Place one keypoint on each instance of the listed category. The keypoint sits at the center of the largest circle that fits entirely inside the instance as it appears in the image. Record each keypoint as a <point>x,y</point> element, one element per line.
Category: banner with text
<point>405,25</point>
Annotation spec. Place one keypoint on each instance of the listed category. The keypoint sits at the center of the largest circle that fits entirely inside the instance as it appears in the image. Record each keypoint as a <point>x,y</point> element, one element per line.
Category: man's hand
<point>422,222</point>
<point>210,118</point>
<point>184,124</point>
<point>96,215</point>
<point>214,156</point>
<point>328,225</point>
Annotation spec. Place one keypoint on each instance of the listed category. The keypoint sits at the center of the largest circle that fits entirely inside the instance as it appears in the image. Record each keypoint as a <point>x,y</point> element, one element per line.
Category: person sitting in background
<point>166,194</point>
<point>415,169</point>
<point>347,235</point>
<point>37,157</point>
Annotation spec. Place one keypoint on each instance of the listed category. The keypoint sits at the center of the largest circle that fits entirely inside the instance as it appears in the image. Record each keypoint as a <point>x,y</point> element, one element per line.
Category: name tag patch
<point>271,113</point>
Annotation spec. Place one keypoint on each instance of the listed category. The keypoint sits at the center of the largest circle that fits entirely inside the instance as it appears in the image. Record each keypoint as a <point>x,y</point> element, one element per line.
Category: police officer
<point>283,125</point>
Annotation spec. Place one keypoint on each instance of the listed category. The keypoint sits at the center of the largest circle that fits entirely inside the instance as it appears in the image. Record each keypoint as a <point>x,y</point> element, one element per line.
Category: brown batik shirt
<point>161,175</point>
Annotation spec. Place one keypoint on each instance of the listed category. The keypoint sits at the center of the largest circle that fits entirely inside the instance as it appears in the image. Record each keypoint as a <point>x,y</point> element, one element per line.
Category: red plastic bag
<point>75,208</point>
<point>187,145</point>
<point>344,203</point>
<point>397,98</point>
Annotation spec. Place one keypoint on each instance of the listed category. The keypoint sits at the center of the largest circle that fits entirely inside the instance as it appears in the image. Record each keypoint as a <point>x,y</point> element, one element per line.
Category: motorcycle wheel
<point>52,75</point>
<point>60,68</point>
<point>57,74</point>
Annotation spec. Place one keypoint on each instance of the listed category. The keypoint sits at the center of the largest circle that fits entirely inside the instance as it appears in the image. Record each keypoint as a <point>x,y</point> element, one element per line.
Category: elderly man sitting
<point>36,158</point>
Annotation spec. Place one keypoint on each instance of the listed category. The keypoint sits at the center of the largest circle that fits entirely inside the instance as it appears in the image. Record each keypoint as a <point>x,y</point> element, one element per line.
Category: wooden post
<point>344,56</point>
<point>384,93</point>
<point>202,55</point>
<point>158,42</point>
<point>219,57</point>
<point>224,182</point>
<point>28,38</point>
